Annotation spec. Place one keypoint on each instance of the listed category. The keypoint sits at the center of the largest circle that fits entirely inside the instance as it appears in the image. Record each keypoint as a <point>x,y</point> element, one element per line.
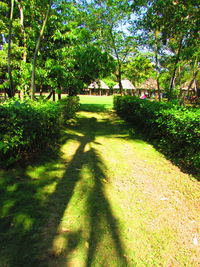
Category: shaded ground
<point>109,199</point>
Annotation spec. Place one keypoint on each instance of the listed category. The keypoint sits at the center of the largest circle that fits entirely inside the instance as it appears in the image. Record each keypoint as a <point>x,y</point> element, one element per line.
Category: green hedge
<point>176,129</point>
<point>29,126</point>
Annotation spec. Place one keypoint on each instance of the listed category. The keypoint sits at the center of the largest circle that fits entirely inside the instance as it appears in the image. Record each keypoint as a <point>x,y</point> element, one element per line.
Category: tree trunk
<point>50,95</point>
<point>21,11</point>
<point>175,66</point>
<point>10,91</point>
<point>32,88</point>
<point>159,91</point>
<point>54,96</point>
<point>119,76</point>
<point>191,82</point>
<point>157,65</point>
<point>24,56</point>
<point>120,81</point>
<point>40,90</point>
<point>59,92</point>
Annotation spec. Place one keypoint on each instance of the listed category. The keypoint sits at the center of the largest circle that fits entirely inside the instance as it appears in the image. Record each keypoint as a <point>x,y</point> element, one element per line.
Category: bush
<point>28,127</point>
<point>69,106</point>
<point>176,129</point>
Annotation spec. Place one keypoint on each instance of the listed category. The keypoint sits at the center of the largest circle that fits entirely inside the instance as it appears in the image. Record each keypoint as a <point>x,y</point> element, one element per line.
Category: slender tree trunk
<point>50,95</point>
<point>32,88</point>
<point>159,91</point>
<point>24,56</point>
<point>54,96</point>
<point>21,11</point>
<point>40,90</point>
<point>59,93</point>
<point>157,65</point>
<point>175,65</point>
<point>120,79</point>
<point>158,77</point>
<point>191,82</point>
<point>10,91</point>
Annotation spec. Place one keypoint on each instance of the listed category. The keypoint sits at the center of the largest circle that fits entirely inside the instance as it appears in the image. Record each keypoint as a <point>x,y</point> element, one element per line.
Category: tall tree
<point>109,21</point>
<point>32,88</point>
<point>139,68</point>
<point>178,22</point>
<point>10,92</point>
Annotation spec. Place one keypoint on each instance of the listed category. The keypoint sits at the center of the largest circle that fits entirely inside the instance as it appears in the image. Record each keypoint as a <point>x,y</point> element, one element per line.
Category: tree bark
<point>54,96</point>
<point>10,91</point>
<point>157,66</point>
<point>32,88</point>
<point>120,79</point>
<point>24,56</point>
<point>40,90</point>
<point>119,76</point>
<point>21,11</point>
<point>191,82</point>
<point>49,96</point>
<point>175,65</point>
<point>159,91</point>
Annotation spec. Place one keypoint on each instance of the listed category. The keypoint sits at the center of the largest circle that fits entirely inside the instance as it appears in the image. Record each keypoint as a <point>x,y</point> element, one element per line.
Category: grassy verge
<point>108,199</point>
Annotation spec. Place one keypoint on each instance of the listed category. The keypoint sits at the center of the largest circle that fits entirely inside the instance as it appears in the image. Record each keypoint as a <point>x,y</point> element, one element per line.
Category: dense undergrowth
<point>176,129</point>
<point>31,126</point>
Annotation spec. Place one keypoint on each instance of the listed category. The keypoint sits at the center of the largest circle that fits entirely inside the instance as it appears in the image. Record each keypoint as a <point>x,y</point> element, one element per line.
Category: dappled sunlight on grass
<point>105,200</point>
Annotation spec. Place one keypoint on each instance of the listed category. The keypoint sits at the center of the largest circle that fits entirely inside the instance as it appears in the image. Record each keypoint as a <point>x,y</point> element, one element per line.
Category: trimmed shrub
<point>176,129</point>
<point>28,127</point>
<point>69,106</point>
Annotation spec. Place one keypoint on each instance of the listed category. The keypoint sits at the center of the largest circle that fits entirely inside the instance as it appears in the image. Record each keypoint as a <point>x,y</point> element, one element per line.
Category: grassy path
<point>107,199</point>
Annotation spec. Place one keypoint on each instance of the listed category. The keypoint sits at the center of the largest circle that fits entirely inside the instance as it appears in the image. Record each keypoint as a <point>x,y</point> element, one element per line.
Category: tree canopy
<point>60,45</point>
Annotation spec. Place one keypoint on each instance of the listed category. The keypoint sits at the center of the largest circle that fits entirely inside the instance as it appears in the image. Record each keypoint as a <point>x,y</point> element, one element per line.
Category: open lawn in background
<point>96,103</point>
<point>105,198</point>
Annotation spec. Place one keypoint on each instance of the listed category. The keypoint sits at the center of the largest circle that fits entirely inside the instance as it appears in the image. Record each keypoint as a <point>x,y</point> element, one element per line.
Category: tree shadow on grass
<point>30,216</point>
<point>98,206</point>
<point>100,212</point>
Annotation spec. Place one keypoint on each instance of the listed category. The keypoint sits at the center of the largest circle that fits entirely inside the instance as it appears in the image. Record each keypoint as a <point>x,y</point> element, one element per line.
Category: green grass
<point>108,198</point>
<point>96,103</point>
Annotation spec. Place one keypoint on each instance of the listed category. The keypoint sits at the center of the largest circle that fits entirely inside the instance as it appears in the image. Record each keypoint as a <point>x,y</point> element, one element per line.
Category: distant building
<point>127,86</point>
<point>98,88</point>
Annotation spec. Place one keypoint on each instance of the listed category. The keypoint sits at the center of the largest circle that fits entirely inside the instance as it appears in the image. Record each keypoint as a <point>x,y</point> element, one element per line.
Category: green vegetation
<point>95,103</point>
<point>62,46</point>
<point>29,126</point>
<point>175,129</point>
<point>108,198</point>
<point>88,190</point>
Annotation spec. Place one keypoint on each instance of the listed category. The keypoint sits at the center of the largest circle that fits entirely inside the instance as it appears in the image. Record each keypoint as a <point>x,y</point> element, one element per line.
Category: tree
<point>32,88</point>
<point>139,68</point>
<point>178,24</point>
<point>11,89</point>
<point>108,20</point>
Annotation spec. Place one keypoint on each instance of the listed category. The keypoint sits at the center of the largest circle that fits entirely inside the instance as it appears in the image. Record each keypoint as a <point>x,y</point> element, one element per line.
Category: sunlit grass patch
<point>96,103</point>
<point>108,199</point>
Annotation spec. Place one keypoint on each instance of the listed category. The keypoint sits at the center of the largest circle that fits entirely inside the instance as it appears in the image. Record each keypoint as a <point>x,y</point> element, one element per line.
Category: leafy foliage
<point>28,127</point>
<point>176,129</point>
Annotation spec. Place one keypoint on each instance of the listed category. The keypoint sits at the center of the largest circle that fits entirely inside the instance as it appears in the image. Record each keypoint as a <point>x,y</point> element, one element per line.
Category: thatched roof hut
<point>149,84</point>
<point>126,84</point>
<point>98,85</point>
